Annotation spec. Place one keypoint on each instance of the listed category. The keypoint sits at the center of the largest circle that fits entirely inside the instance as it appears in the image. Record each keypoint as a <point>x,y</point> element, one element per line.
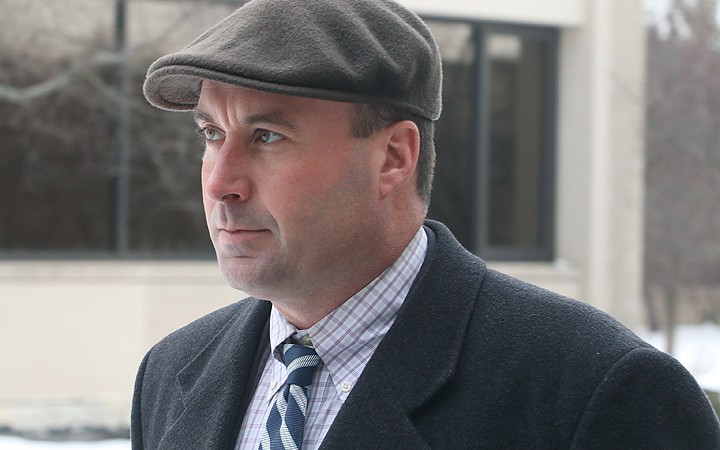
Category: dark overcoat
<point>475,359</point>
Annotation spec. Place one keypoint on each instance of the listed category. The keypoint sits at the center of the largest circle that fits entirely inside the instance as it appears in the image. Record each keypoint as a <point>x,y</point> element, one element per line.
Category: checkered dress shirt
<point>345,339</point>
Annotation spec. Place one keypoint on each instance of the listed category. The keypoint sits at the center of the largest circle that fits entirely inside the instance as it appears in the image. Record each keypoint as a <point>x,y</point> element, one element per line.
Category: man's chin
<point>241,274</point>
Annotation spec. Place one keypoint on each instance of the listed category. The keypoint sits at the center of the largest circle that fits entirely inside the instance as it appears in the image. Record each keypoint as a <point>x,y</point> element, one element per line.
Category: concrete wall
<point>73,332</point>
<point>601,155</point>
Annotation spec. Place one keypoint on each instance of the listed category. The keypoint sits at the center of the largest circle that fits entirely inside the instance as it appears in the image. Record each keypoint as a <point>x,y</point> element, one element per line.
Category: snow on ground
<point>13,443</point>
<point>696,347</point>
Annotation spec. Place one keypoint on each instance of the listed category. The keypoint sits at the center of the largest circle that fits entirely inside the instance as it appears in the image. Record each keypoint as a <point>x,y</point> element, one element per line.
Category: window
<point>88,168</point>
<point>495,139</point>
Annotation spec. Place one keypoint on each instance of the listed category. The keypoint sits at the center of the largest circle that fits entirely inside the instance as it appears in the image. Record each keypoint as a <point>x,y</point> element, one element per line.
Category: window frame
<point>548,37</point>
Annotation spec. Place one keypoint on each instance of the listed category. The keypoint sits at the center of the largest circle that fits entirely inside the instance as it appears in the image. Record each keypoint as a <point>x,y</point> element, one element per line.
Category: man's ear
<point>402,148</point>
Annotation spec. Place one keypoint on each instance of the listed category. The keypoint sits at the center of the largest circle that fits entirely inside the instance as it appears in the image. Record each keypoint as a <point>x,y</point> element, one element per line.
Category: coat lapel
<point>417,356</point>
<point>213,384</point>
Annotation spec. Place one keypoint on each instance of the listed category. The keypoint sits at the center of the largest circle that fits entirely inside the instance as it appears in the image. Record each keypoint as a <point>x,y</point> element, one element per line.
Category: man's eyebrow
<point>274,116</point>
<point>201,116</point>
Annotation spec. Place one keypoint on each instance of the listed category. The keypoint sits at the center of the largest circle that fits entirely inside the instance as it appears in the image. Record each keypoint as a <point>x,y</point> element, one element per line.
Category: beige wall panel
<point>79,328</point>
<point>170,307</point>
<point>548,12</point>
<point>67,340</point>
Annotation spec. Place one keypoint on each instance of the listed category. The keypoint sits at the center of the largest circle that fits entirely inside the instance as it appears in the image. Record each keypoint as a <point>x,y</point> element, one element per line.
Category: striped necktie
<point>286,423</point>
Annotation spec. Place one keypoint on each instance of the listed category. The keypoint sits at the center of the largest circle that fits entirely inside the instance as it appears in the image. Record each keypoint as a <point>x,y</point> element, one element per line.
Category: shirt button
<point>345,386</point>
<point>274,385</point>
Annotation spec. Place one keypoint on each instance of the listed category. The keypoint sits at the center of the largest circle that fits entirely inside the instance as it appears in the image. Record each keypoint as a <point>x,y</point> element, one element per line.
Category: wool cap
<point>361,51</point>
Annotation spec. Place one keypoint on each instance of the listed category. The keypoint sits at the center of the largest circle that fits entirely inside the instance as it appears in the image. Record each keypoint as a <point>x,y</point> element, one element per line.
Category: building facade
<point>540,171</point>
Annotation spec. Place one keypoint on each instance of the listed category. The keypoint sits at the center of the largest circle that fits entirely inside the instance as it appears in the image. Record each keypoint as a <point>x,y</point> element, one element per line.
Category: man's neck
<point>305,311</point>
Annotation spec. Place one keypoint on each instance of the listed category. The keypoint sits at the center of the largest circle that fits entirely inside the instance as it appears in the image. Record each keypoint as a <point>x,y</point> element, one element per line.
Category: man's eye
<point>210,134</point>
<point>268,137</point>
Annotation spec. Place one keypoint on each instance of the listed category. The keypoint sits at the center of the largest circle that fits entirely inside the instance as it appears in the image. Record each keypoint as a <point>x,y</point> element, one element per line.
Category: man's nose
<point>226,173</point>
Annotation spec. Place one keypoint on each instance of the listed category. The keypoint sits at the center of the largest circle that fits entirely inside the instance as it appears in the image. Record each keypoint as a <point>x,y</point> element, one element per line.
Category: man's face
<point>290,197</point>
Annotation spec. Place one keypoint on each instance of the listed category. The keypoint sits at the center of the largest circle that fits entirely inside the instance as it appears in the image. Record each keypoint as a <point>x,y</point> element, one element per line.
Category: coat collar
<point>418,355</point>
<point>213,384</point>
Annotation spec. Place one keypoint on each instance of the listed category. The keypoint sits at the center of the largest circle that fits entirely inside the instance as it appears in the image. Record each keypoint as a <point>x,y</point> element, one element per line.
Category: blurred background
<point>579,149</point>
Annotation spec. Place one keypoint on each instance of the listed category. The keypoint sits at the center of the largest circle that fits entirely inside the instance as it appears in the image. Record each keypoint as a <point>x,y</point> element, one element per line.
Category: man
<point>317,121</point>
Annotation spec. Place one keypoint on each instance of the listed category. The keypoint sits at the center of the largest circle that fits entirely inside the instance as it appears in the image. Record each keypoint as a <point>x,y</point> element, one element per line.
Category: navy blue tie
<point>286,423</point>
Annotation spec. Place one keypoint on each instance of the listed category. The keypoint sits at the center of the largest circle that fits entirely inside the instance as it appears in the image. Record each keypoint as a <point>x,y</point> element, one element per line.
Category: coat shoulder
<point>533,311</point>
<point>572,375</point>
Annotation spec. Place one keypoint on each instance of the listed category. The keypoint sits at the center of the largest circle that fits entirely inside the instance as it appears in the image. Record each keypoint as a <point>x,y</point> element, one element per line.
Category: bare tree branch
<point>19,95</point>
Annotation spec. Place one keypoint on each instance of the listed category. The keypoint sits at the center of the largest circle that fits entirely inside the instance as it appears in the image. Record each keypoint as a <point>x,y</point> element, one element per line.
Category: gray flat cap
<point>370,51</point>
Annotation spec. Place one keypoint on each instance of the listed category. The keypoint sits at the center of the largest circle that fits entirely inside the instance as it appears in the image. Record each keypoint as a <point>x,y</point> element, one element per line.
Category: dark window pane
<point>515,96</point>
<point>54,168</point>
<point>166,213</point>
<point>59,157</point>
<point>453,200</point>
<point>494,177</point>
